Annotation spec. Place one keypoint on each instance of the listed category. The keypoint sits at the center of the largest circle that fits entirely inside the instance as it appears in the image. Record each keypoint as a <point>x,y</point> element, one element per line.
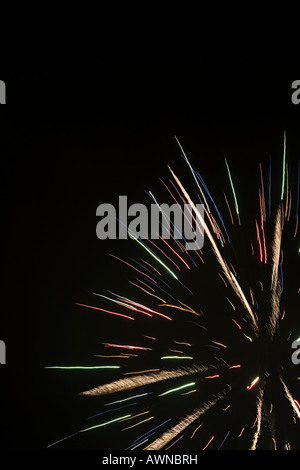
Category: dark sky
<point>81,128</point>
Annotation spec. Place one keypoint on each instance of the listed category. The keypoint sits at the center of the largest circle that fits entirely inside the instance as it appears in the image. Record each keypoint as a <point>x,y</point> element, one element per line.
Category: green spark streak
<point>283,166</point>
<point>83,367</point>
<point>104,424</point>
<point>157,259</point>
<point>232,187</point>
<point>88,429</point>
<point>176,357</point>
<point>176,389</point>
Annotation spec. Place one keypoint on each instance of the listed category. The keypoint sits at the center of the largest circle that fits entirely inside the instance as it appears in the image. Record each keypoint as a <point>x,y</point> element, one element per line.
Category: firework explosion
<point>209,364</point>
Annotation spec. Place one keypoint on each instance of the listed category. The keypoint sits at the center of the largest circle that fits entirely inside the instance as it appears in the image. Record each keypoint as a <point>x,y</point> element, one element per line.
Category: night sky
<point>79,129</point>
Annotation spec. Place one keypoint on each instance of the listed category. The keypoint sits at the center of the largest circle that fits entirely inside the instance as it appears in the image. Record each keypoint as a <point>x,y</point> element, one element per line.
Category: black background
<point>79,129</point>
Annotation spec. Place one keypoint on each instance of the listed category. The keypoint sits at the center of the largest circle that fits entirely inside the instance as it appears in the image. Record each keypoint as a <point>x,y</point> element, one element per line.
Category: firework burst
<point>208,362</point>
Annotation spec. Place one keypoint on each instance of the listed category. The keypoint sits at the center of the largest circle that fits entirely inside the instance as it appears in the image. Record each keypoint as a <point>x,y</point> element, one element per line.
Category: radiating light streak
<point>219,215</point>
<point>129,398</point>
<point>135,416</point>
<point>262,193</point>
<point>193,173</point>
<point>139,444</point>
<point>175,253</point>
<point>123,356</point>
<point>173,443</point>
<point>148,264</point>
<point>141,371</point>
<point>233,281</point>
<point>294,403</point>
<point>259,242</point>
<point>262,227</point>
<point>169,435</point>
<point>145,308</point>
<point>258,419</point>
<point>191,391</point>
<point>164,291</point>
<point>104,424</point>
<point>275,282</point>
<point>163,252</point>
<point>211,439</point>
<point>181,308</point>
<point>156,258</point>
<point>89,429</point>
<point>212,376</point>
<point>106,311</point>
<point>235,367</point>
<point>137,424</point>
<point>283,166</point>
<point>185,215</point>
<point>220,344</point>
<point>125,346</point>
<point>131,307</point>
<point>196,431</point>
<point>231,218</point>
<point>153,429</point>
<point>108,411</point>
<point>182,342</point>
<point>176,389</point>
<point>237,324</point>
<point>131,266</point>
<point>83,367</point>
<point>254,382</point>
<point>227,407</point>
<point>129,383</point>
<point>233,191</point>
<point>176,357</point>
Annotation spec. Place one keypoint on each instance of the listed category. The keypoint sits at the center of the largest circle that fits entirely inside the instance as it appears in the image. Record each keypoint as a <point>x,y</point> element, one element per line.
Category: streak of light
<point>211,439</point>
<point>129,383</point>
<point>83,367</point>
<point>103,310</point>
<point>258,419</point>
<point>173,443</point>
<point>89,429</point>
<point>133,267</point>
<point>177,357</point>
<point>230,276</point>
<point>129,398</point>
<point>254,382</point>
<point>176,389</point>
<point>169,435</point>
<point>196,431</point>
<point>137,424</point>
<point>237,324</point>
<point>135,416</point>
<point>141,371</point>
<point>125,346</point>
<point>223,440</point>
<point>182,342</point>
<point>283,166</point>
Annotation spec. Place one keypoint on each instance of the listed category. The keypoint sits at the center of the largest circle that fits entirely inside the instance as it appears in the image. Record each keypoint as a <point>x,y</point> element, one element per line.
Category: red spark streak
<point>208,443</point>
<point>124,346</point>
<point>107,311</point>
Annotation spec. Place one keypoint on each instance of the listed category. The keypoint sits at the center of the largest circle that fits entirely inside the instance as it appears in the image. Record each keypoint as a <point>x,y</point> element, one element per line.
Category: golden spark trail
<point>172,433</point>
<point>230,276</point>
<point>129,383</point>
<point>259,419</point>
